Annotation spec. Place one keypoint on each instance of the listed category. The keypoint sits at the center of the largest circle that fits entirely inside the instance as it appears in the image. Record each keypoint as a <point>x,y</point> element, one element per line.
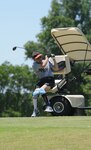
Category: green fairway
<point>45,133</point>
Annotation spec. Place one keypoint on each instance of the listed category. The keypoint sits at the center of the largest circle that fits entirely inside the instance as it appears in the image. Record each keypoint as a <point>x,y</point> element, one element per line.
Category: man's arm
<point>44,62</point>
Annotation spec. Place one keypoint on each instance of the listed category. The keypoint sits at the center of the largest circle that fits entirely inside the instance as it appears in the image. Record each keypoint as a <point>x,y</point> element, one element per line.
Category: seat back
<point>63,64</point>
<point>64,68</point>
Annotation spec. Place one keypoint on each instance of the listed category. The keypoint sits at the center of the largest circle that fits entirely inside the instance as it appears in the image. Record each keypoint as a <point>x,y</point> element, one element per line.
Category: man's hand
<point>46,57</point>
<point>52,55</point>
<point>44,62</point>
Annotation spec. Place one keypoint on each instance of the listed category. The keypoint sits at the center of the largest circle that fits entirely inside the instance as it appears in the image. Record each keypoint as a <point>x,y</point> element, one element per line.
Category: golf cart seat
<point>63,64</point>
<point>64,68</point>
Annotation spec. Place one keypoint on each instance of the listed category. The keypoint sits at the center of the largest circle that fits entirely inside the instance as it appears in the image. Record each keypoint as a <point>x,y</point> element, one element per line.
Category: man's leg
<point>46,89</point>
<point>35,97</point>
<point>36,94</point>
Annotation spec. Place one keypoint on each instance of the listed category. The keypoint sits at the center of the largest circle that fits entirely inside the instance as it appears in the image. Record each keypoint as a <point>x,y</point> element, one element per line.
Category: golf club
<point>15,47</point>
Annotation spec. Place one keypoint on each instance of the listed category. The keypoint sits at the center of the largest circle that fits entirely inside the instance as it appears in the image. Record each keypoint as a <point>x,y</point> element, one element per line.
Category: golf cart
<point>74,47</point>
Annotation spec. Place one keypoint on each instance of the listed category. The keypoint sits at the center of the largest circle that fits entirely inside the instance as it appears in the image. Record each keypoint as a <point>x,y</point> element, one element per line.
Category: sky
<point>20,21</point>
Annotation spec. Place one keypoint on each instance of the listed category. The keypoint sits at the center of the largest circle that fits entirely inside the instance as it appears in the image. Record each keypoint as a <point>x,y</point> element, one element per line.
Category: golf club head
<point>14,48</point>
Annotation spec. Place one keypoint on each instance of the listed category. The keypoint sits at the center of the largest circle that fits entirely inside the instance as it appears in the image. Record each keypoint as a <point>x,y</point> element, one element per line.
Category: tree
<point>63,13</point>
<point>16,86</point>
<point>80,12</point>
<point>45,42</point>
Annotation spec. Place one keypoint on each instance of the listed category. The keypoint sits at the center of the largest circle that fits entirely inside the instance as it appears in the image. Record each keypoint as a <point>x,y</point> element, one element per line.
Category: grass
<point>46,133</point>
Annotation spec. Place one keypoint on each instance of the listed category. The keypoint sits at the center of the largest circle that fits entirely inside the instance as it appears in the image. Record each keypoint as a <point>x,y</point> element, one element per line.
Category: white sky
<point>19,23</point>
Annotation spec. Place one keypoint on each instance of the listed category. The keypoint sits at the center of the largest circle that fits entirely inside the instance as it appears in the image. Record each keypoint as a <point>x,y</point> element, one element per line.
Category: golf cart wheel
<point>61,106</point>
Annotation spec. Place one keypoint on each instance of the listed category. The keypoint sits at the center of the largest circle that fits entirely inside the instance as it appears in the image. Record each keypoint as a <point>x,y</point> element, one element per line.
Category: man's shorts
<point>49,81</point>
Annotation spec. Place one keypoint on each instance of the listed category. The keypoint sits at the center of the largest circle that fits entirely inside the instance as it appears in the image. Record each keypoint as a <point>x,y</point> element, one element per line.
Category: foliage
<point>16,85</point>
<point>87,92</point>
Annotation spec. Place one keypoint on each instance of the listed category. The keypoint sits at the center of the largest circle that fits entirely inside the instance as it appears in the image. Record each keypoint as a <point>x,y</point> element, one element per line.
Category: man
<point>43,68</point>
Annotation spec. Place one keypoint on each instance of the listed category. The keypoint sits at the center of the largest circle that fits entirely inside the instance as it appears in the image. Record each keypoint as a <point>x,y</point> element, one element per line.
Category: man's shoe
<point>48,109</point>
<point>35,113</point>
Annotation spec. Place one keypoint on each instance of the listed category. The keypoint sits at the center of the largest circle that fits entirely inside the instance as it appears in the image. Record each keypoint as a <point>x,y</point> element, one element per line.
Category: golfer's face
<point>39,59</point>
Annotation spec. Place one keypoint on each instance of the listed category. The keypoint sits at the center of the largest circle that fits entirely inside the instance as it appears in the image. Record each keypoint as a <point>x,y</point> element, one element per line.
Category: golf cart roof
<point>73,43</point>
